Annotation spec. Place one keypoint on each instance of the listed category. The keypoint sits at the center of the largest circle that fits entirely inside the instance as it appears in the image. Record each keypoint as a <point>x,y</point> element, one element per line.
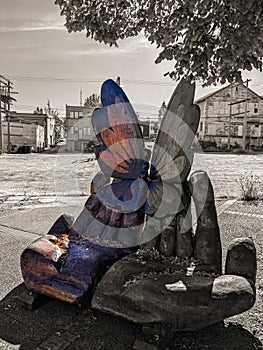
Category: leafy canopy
<point>92,101</point>
<point>208,40</point>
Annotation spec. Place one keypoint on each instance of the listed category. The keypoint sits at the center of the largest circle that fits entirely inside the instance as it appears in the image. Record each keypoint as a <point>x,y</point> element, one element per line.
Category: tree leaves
<point>206,39</point>
<point>92,101</point>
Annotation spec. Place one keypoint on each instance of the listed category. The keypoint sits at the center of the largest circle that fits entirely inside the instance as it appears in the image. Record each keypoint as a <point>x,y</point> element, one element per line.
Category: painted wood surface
<point>110,224</point>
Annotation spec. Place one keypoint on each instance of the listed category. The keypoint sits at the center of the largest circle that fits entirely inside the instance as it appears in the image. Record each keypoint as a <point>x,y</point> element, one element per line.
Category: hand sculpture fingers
<point>207,246</point>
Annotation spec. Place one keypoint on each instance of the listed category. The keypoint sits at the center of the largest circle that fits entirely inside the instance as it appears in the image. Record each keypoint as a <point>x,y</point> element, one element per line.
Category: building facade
<point>23,134</point>
<point>227,113</point>
<point>149,129</point>
<point>42,130</point>
<point>79,130</point>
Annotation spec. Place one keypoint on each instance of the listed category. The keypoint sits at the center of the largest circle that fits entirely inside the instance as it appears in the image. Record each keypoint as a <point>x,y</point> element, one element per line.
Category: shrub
<point>207,144</point>
<point>252,188</point>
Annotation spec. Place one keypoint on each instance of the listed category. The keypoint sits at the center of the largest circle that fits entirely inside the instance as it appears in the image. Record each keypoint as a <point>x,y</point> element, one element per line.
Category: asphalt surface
<point>56,325</point>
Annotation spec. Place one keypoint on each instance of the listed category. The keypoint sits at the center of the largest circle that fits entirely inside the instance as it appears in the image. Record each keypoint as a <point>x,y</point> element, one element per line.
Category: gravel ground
<point>49,174</point>
<point>44,174</point>
<point>32,180</point>
<point>35,180</point>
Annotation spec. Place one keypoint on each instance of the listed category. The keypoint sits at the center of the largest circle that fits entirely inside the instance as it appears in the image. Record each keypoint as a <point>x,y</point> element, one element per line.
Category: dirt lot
<point>43,179</point>
<point>36,180</point>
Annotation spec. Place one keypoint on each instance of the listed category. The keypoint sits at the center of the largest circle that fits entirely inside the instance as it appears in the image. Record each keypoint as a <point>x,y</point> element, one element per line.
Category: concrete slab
<point>13,242</point>
<point>38,220</point>
<point>17,231</point>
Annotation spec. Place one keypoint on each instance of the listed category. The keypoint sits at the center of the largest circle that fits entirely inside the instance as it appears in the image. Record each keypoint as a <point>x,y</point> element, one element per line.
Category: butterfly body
<point>121,152</point>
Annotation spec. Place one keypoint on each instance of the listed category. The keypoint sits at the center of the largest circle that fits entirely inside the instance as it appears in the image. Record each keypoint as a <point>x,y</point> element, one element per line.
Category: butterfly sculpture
<point>132,203</point>
<point>141,199</point>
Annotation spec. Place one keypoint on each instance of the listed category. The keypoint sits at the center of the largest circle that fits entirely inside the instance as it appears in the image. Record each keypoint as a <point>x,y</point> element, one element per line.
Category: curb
<point>232,212</point>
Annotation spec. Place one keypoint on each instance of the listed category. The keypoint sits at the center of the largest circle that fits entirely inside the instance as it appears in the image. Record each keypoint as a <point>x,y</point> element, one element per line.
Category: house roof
<point>78,107</point>
<point>201,99</point>
<point>29,117</point>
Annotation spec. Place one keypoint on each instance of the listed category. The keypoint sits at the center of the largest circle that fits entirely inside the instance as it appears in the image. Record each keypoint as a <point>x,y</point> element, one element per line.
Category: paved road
<point>19,229</point>
<point>14,238</point>
<point>16,232</point>
<point>13,242</point>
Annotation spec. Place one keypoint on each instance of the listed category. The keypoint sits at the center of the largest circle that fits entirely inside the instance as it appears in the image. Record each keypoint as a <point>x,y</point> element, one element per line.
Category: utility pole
<point>1,129</point>
<point>8,118</point>
<point>230,116</point>
<point>245,118</point>
<point>80,97</point>
<point>5,100</point>
<point>118,81</point>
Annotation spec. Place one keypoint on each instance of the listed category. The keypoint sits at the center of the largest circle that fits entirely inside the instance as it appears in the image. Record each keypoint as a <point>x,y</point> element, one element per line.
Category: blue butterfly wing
<point>126,196</point>
<point>121,152</point>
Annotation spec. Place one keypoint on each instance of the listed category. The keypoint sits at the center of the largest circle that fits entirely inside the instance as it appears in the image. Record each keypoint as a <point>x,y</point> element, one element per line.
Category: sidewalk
<point>21,228</point>
<point>17,231</point>
<point>57,325</point>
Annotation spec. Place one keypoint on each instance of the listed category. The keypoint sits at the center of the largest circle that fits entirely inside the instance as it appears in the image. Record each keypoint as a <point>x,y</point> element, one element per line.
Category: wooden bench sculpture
<point>161,271</point>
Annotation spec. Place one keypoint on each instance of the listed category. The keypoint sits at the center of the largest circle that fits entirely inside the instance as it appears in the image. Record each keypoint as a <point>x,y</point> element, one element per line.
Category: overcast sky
<point>35,43</point>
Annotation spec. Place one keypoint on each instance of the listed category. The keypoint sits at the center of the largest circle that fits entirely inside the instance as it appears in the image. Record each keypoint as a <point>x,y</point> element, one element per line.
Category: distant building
<point>42,129</point>
<point>79,130</point>
<point>222,117</point>
<point>21,134</point>
<point>145,128</point>
<point>149,128</point>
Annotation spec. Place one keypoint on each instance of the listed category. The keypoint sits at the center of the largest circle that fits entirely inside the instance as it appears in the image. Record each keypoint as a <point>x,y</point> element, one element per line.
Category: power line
<point>99,80</point>
<point>21,106</point>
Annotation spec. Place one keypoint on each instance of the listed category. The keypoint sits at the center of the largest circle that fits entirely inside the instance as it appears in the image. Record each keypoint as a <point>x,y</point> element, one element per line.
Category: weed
<point>252,188</point>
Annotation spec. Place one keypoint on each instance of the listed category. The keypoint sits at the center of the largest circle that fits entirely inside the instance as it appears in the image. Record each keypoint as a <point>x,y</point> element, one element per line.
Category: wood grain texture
<point>120,154</point>
<point>177,131</point>
<point>113,215</point>
<point>184,233</point>
<point>171,163</point>
<point>208,248</point>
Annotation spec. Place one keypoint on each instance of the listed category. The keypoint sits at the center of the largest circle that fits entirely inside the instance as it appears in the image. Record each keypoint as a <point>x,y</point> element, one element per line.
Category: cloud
<point>11,25</point>
<point>134,45</point>
<point>73,44</point>
<point>27,29</point>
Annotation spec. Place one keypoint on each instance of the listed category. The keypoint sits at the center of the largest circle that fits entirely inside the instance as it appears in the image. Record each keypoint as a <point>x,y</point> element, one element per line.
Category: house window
<point>71,130</point>
<point>255,109</point>
<point>80,134</point>
<point>89,131</point>
<point>76,129</point>
<point>201,126</point>
<point>76,114</point>
<point>236,88</point>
